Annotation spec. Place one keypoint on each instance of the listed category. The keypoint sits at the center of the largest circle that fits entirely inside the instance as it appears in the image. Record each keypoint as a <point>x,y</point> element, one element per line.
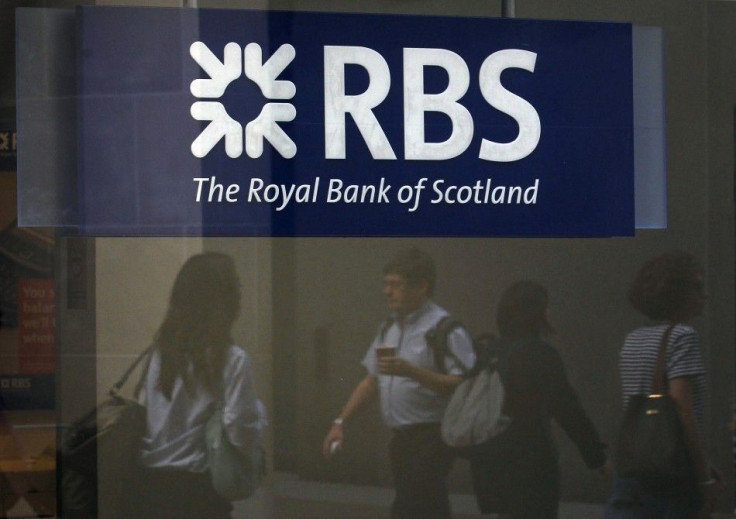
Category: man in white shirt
<point>413,391</point>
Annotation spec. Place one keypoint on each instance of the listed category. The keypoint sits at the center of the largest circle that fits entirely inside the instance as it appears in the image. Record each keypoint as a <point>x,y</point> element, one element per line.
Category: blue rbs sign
<point>259,123</point>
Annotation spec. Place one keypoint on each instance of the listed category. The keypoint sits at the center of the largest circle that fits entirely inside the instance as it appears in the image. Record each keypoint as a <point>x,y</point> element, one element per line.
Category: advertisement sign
<point>36,326</point>
<point>28,381</point>
<point>264,123</point>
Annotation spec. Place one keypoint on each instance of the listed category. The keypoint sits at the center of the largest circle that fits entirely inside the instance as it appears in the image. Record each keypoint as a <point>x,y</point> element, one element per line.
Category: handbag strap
<point>145,354</point>
<point>659,371</point>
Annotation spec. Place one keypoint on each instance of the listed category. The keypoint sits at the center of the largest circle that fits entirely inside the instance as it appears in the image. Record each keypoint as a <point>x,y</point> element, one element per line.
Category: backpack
<point>474,417</point>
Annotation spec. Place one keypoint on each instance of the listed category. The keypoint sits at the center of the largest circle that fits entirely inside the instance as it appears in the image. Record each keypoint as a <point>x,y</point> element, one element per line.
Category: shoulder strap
<point>145,354</point>
<point>491,353</point>
<point>384,327</point>
<point>436,338</point>
<point>658,382</point>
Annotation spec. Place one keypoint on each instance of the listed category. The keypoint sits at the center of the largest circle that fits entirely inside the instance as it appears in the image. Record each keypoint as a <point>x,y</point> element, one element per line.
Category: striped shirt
<point>683,359</point>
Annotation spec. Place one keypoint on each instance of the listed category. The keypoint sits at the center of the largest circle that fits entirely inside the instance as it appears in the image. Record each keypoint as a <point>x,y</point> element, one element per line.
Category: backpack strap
<point>384,328</point>
<point>436,338</point>
<point>487,353</point>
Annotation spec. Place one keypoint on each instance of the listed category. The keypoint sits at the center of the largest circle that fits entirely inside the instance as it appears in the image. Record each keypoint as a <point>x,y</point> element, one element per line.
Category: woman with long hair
<point>669,291</point>
<point>522,478</point>
<point>194,368</point>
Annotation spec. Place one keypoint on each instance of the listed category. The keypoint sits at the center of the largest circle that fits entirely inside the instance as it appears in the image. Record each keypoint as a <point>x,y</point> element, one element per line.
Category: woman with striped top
<point>669,290</point>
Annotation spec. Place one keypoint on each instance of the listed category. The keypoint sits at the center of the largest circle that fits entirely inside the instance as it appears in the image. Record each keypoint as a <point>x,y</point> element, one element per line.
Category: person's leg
<point>398,452</point>
<point>533,509</point>
<point>420,463</point>
<point>684,503</point>
<point>184,495</point>
<point>629,501</point>
<point>536,495</point>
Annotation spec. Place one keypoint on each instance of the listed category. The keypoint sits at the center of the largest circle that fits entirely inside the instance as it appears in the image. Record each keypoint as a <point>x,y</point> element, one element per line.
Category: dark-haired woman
<point>668,290</point>
<point>519,475</point>
<point>193,367</point>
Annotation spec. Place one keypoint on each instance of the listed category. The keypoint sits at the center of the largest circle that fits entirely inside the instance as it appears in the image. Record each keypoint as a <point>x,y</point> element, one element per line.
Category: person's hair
<point>522,311</point>
<point>204,303</point>
<point>415,266</point>
<point>661,287</point>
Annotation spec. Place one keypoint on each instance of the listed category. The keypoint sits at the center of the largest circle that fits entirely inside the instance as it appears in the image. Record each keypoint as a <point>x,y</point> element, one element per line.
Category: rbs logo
<point>222,73</point>
<point>338,105</point>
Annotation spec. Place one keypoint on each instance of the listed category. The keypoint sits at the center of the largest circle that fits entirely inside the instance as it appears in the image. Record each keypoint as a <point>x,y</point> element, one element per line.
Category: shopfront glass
<point>269,159</point>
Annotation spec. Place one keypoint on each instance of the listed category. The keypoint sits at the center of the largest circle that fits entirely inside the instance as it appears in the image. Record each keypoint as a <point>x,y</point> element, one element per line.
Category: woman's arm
<point>568,411</point>
<point>681,390</point>
<point>244,415</point>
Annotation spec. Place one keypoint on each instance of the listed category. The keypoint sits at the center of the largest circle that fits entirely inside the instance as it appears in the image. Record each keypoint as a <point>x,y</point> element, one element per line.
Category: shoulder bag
<point>235,475</point>
<point>651,443</point>
<point>99,452</point>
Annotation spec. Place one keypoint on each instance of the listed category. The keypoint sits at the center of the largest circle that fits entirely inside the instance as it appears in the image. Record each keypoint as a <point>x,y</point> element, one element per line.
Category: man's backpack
<point>436,338</point>
<point>474,416</point>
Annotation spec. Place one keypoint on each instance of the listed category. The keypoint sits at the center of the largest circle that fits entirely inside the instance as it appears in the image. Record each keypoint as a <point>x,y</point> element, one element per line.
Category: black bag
<point>99,452</point>
<point>651,444</point>
<point>436,338</point>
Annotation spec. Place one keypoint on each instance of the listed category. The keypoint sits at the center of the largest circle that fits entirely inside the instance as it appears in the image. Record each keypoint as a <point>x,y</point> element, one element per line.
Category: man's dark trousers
<point>420,462</point>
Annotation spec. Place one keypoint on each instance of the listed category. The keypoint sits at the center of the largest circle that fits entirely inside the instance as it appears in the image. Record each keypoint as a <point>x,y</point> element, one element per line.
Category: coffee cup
<point>385,350</point>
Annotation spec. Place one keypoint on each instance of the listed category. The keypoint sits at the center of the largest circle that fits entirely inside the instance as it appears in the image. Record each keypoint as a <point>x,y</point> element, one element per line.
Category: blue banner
<point>265,123</point>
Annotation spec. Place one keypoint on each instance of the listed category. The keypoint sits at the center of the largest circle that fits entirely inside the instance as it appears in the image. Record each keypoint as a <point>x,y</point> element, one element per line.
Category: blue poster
<point>271,123</point>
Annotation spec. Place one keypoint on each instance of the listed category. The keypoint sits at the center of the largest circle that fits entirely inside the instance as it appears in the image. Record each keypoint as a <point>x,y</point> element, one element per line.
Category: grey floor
<point>287,497</point>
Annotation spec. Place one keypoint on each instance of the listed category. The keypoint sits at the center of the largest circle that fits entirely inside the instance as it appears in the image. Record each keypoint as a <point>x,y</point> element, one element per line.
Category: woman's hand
<point>717,476</point>
<point>709,496</point>
<point>607,469</point>
<point>709,492</point>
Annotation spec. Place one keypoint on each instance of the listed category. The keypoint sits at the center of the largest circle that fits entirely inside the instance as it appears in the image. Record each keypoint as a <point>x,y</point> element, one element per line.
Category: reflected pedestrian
<point>668,290</point>
<point>194,367</point>
<point>518,474</point>
<point>413,392</point>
